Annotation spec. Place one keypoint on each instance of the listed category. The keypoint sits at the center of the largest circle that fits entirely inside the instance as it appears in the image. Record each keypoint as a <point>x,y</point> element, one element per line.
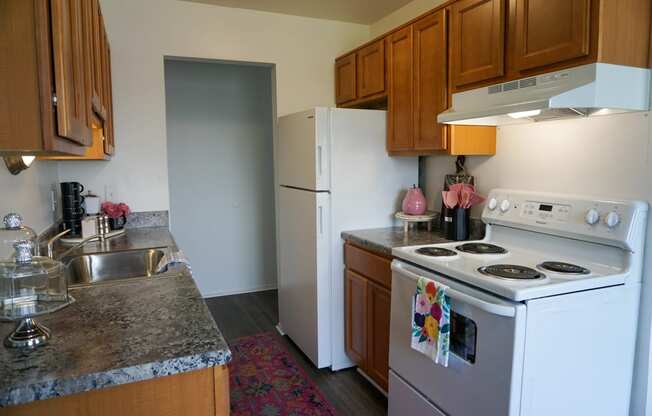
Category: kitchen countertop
<point>383,240</point>
<point>116,333</point>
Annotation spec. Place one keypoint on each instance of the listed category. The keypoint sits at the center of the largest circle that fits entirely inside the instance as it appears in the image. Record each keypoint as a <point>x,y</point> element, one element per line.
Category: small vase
<point>414,202</point>
<point>117,223</point>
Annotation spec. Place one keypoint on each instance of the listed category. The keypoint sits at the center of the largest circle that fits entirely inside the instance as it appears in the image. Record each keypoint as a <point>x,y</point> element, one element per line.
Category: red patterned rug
<point>266,381</point>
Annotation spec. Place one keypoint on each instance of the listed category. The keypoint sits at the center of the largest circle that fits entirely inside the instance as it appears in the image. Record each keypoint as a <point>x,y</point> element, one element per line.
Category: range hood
<point>583,91</point>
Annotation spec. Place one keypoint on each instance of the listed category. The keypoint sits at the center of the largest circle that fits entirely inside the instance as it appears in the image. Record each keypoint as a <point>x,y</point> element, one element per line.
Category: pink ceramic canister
<point>414,202</point>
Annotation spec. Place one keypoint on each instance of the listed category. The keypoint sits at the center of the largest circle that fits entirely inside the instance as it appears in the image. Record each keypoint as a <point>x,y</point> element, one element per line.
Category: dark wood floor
<point>253,313</point>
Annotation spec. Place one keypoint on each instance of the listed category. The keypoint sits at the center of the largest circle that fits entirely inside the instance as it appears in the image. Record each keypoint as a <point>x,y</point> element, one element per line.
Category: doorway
<point>220,128</point>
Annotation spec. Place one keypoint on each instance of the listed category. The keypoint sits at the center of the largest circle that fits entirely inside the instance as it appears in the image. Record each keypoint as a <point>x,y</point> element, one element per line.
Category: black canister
<point>458,228</point>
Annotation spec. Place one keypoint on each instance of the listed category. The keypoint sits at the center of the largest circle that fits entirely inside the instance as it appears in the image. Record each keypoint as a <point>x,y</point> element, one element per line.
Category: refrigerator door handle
<point>319,154</point>
<point>321,219</point>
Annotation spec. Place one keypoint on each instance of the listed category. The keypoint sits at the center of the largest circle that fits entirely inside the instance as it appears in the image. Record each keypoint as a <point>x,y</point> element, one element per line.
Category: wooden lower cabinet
<point>378,308</point>
<point>201,392</point>
<point>367,303</point>
<point>356,318</point>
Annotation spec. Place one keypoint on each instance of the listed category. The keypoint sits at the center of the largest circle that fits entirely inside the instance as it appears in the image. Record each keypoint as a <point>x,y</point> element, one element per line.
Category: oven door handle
<point>489,307</point>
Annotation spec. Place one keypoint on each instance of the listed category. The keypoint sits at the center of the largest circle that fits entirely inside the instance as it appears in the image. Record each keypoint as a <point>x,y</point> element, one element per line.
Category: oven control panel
<point>614,222</point>
<point>546,211</point>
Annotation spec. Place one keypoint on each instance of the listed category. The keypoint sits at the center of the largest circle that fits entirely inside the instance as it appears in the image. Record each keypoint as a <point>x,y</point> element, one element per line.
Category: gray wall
<point>28,193</point>
<point>221,182</point>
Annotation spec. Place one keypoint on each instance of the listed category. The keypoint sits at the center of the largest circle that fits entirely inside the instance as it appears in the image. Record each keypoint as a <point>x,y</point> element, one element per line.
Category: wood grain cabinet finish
<point>200,392</point>
<point>69,70</point>
<point>430,81</point>
<point>550,31</point>
<point>371,70</point>
<point>400,114</point>
<point>378,310</point>
<point>477,42</point>
<point>367,311</point>
<point>345,79</point>
<point>55,92</point>
<point>96,68</point>
<point>356,318</point>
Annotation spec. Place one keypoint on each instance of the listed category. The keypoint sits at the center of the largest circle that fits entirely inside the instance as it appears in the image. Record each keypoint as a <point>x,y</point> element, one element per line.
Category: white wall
<point>220,125</point>
<point>607,156</point>
<point>142,32</point>
<point>402,15</point>
<point>28,193</point>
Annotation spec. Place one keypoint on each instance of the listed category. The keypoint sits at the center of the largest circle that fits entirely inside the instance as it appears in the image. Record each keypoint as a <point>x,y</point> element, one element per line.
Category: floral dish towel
<point>431,321</point>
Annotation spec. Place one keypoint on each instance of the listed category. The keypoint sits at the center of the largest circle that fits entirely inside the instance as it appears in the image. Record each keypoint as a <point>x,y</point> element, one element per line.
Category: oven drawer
<point>483,376</point>
<point>405,400</point>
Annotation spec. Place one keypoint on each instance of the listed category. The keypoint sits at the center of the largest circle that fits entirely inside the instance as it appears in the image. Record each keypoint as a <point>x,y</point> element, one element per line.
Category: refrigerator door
<point>304,266</point>
<point>302,150</point>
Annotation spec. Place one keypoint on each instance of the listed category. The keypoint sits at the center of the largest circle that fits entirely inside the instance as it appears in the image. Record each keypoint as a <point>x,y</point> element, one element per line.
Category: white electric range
<point>544,311</point>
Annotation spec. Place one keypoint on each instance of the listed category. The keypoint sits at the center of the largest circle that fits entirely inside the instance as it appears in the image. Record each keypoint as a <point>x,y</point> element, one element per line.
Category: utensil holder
<point>458,228</point>
<point>446,221</point>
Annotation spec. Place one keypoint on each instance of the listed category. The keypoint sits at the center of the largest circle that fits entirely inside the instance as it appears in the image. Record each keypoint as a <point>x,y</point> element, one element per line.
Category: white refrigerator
<point>332,174</point>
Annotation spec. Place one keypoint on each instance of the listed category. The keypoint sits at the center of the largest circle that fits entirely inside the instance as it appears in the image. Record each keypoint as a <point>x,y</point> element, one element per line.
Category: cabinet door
<point>400,116</point>
<point>378,334</point>
<point>550,31</point>
<point>108,100</point>
<point>430,81</point>
<point>356,318</point>
<point>345,79</point>
<point>477,41</point>
<point>68,57</point>
<point>371,69</point>
<point>97,77</point>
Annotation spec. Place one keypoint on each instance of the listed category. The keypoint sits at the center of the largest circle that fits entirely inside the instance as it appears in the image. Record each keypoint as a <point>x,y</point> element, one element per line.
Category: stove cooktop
<point>514,271</point>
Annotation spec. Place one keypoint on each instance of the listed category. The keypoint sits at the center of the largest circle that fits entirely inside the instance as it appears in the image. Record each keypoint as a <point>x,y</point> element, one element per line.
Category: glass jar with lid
<point>13,232</point>
<point>30,286</point>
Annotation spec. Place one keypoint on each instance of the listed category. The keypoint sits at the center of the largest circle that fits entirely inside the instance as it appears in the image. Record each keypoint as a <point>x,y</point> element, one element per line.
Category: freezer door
<point>302,150</point>
<point>304,279</point>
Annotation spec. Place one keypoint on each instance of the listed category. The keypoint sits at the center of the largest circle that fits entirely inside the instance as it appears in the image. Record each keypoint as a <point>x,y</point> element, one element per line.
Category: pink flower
<point>422,305</point>
<point>115,210</point>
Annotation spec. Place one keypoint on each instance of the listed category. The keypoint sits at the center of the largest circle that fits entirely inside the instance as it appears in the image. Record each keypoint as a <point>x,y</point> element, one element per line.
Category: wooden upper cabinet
<point>550,31</point>
<point>345,79</point>
<point>400,116</point>
<point>69,70</point>
<point>477,41</point>
<point>371,69</point>
<point>430,81</point>
<point>97,69</point>
<point>109,144</point>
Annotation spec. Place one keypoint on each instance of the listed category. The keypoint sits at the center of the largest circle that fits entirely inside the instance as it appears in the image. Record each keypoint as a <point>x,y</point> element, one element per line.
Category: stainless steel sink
<point>104,267</point>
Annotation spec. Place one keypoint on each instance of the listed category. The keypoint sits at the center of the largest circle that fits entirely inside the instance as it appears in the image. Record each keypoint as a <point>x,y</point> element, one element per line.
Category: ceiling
<point>356,11</point>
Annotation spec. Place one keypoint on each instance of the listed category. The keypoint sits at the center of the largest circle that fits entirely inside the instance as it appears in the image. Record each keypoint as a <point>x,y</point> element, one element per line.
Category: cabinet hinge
<point>54,100</point>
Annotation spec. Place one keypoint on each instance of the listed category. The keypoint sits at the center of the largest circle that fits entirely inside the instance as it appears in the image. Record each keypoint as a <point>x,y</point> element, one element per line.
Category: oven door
<point>487,338</point>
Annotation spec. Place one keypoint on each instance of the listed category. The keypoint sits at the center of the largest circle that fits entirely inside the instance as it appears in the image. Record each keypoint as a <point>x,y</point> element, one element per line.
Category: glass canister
<point>13,232</point>
<point>30,286</point>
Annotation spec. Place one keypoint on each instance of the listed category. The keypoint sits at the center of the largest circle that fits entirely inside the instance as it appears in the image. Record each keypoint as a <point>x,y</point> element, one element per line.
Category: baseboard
<point>239,291</point>
<point>373,383</point>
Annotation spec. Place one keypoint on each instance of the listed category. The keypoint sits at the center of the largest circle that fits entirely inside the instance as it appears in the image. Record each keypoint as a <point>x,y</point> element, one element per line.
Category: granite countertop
<point>116,333</point>
<point>383,240</point>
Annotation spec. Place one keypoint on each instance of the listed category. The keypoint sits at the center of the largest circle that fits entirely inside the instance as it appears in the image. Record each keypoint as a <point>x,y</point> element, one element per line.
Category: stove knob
<point>592,216</point>
<point>505,205</point>
<point>612,219</point>
<point>492,204</point>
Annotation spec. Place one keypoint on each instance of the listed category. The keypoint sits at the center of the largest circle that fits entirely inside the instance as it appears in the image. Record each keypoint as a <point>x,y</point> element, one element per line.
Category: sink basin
<point>103,267</point>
